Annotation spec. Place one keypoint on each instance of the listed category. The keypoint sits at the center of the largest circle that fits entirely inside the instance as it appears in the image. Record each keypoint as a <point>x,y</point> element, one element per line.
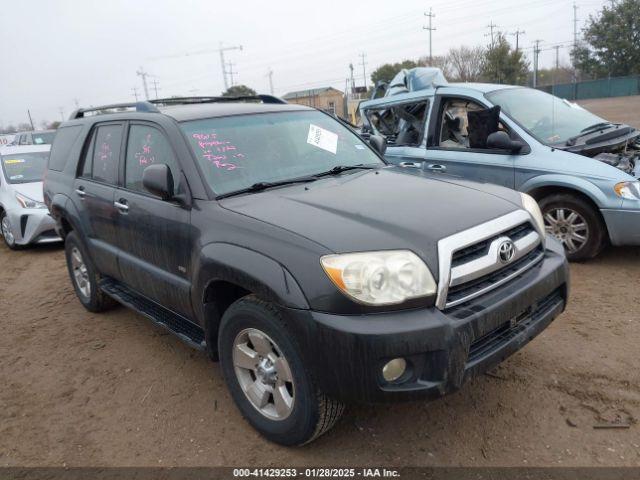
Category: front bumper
<point>623,226</point>
<point>32,225</point>
<point>443,349</point>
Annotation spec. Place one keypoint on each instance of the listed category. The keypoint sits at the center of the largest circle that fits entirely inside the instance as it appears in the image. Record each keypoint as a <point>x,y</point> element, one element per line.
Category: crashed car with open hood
<point>583,170</point>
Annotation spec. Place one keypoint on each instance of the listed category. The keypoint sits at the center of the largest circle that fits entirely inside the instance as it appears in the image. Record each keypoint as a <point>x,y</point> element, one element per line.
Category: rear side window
<point>106,153</point>
<point>402,124</point>
<point>147,146</point>
<point>64,140</point>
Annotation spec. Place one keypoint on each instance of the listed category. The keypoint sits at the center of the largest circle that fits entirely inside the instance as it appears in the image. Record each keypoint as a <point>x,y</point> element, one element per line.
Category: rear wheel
<point>263,368</point>
<point>575,223</point>
<point>7,232</point>
<point>84,276</point>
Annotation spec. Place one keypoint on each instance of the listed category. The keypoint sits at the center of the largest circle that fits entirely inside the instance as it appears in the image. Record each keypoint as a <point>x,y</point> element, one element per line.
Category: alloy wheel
<point>6,231</point>
<point>568,226</point>
<point>263,373</point>
<point>80,272</point>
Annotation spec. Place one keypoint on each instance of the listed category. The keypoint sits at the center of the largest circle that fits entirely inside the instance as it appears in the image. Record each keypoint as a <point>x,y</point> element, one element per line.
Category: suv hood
<point>384,209</point>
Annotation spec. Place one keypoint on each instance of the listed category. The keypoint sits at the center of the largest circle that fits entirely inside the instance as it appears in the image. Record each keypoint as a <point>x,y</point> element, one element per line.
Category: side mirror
<point>158,180</point>
<point>379,143</point>
<point>501,141</point>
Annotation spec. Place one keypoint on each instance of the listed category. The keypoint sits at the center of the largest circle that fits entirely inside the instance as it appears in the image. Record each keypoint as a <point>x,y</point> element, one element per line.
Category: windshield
<point>43,138</point>
<point>24,167</point>
<point>239,151</point>
<point>549,119</point>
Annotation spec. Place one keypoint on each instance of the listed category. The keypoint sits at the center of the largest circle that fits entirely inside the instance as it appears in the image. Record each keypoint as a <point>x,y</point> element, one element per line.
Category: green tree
<point>504,64</point>
<point>611,42</point>
<point>238,91</point>
<point>386,72</point>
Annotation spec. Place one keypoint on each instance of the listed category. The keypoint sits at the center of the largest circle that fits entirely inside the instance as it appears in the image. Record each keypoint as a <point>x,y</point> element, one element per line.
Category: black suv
<point>273,237</point>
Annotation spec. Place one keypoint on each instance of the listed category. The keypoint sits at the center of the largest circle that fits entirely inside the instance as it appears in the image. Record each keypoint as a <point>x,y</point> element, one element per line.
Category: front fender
<point>248,269</point>
<point>569,182</point>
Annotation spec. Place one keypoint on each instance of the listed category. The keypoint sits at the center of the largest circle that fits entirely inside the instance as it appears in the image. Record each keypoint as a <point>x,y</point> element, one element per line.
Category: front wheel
<point>7,231</point>
<point>264,371</point>
<point>575,223</point>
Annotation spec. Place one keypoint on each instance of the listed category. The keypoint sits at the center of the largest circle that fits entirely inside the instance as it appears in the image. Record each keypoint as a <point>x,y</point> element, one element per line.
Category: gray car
<point>24,217</point>
<point>582,169</point>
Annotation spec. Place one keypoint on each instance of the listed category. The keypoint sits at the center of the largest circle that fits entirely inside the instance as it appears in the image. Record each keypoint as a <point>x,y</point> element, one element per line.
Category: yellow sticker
<point>14,160</point>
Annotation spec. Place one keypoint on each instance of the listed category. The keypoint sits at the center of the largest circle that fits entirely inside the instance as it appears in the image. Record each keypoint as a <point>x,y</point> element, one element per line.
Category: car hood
<point>33,190</point>
<point>384,209</point>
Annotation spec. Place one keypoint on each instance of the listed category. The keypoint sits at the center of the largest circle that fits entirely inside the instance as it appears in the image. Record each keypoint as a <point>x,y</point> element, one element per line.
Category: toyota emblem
<point>506,251</point>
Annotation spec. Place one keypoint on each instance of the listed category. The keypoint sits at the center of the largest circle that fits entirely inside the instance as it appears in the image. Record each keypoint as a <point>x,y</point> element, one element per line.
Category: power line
<point>155,87</point>
<point>517,34</point>
<point>141,73</point>
<point>536,52</point>
<point>491,27</point>
<point>223,64</point>
<point>431,29</point>
<point>135,92</point>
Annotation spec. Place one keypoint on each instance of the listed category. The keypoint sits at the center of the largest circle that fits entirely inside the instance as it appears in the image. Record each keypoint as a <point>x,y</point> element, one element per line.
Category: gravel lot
<point>114,390</point>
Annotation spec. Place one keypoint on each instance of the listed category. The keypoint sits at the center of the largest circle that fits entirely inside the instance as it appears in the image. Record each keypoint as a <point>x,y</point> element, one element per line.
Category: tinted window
<point>147,146</point>
<point>24,167</point>
<point>237,151</point>
<point>62,145</point>
<point>106,153</point>
<point>43,138</point>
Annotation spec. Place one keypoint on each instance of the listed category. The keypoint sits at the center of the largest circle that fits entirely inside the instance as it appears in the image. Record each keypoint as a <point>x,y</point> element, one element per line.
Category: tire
<point>84,276</point>
<point>570,218</point>
<point>5,231</point>
<point>310,413</point>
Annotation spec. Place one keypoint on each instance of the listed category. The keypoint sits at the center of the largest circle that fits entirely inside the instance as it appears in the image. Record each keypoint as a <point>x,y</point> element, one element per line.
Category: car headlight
<point>628,190</point>
<point>380,278</point>
<point>530,205</point>
<point>26,202</point>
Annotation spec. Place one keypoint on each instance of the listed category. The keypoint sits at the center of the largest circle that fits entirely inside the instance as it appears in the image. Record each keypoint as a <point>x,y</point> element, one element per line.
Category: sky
<point>56,54</point>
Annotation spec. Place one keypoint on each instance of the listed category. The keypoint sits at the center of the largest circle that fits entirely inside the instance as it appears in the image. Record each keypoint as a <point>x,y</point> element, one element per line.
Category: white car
<point>24,217</point>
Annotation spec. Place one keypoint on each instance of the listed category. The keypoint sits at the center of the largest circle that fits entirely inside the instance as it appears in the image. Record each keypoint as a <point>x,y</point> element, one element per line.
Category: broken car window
<point>402,125</point>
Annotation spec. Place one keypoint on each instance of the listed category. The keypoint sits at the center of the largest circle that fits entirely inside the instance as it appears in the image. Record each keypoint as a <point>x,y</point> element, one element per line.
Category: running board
<point>184,329</point>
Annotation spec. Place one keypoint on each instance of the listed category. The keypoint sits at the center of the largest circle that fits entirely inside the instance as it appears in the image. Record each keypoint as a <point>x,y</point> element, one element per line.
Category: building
<point>328,99</point>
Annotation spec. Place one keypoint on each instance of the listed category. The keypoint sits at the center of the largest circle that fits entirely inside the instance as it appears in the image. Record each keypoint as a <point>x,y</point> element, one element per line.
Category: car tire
<point>310,413</point>
<point>84,276</point>
<point>575,223</point>
<point>5,231</point>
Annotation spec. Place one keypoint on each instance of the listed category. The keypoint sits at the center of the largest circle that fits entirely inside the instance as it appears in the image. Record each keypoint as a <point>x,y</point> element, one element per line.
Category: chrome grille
<point>472,262</point>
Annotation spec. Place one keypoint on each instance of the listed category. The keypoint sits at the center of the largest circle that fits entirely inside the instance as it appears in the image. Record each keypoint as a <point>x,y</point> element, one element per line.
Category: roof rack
<point>146,107</point>
<point>214,99</point>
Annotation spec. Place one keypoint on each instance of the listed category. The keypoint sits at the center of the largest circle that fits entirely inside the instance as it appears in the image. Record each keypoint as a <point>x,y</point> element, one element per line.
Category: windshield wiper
<point>343,168</point>
<point>590,129</point>
<point>260,186</point>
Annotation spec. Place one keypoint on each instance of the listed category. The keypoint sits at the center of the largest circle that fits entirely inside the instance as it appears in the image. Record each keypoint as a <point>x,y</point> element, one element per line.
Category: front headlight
<point>380,278</point>
<point>26,202</point>
<point>628,190</point>
<point>530,205</point>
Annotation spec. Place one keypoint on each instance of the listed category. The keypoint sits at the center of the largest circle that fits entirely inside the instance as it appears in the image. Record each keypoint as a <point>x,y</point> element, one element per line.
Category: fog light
<point>394,369</point>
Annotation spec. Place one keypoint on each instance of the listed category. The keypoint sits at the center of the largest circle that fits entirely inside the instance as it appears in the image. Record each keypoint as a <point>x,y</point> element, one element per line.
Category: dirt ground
<point>616,109</point>
<point>111,389</point>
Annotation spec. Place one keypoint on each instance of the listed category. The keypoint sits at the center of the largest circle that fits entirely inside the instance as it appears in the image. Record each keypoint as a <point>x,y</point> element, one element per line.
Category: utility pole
<point>575,42</point>
<point>431,29</point>
<point>155,87</point>
<point>230,72</point>
<point>353,82</point>
<point>224,65</point>
<point>555,72</point>
<point>135,93</point>
<point>76,102</point>
<point>491,27</point>
<point>31,119</point>
<point>141,73</point>
<point>517,34</point>
<point>61,110</point>
<point>536,52</point>
<point>270,75</point>
<point>364,72</point>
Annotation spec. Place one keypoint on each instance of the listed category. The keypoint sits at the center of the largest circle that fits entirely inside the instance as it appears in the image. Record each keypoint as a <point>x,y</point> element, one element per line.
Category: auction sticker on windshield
<point>322,138</point>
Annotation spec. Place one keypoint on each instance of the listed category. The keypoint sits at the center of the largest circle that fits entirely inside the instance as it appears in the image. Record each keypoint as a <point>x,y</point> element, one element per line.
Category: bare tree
<point>439,61</point>
<point>466,63</point>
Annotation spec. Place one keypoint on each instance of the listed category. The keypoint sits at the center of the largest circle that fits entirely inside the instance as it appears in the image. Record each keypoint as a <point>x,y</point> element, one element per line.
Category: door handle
<point>121,205</point>
<point>411,164</point>
<point>81,193</point>
<point>435,167</point>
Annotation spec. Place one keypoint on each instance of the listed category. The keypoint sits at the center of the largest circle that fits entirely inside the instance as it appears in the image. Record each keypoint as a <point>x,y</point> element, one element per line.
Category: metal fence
<point>601,88</point>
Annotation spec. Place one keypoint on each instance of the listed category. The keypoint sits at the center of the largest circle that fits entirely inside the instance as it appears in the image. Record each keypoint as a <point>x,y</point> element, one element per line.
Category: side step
<point>186,330</point>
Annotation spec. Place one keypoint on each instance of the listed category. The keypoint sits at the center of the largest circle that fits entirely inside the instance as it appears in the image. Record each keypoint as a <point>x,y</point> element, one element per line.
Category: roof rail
<point>217,99</point>
<point>146,107</point>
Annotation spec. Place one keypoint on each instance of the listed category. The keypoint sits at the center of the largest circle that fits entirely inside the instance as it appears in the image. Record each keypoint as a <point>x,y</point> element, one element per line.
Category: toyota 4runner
<point>276,239</point>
